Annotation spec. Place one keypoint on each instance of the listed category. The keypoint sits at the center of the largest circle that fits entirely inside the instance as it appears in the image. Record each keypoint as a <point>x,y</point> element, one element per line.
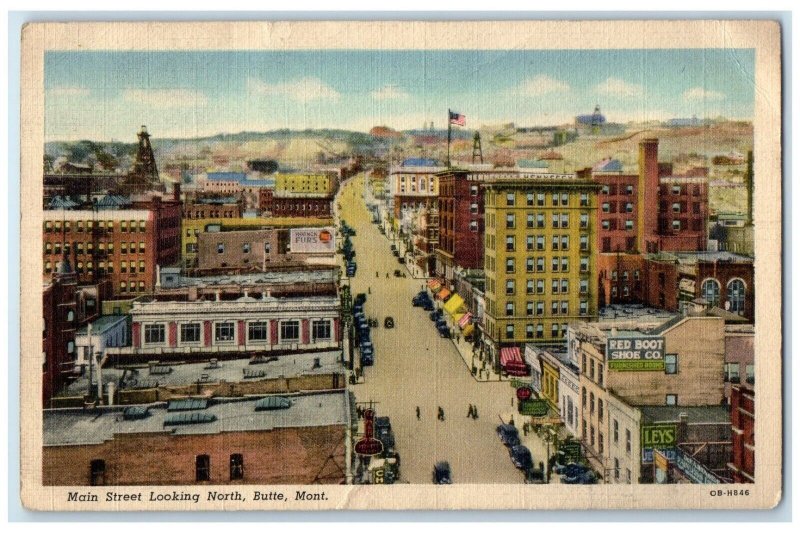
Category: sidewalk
<point>471,357</point>
<point>536,444</point>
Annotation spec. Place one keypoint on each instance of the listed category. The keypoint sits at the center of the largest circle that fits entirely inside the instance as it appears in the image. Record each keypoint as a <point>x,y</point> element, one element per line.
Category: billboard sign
<point>644,353</point>
<point>312,240</point>
<point>659,436</point>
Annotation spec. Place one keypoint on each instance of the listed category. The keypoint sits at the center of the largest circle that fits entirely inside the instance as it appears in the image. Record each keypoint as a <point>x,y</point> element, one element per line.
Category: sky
<point>108,95</point>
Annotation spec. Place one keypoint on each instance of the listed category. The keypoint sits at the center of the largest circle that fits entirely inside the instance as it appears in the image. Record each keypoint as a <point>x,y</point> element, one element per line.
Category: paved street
<point>415,367</point>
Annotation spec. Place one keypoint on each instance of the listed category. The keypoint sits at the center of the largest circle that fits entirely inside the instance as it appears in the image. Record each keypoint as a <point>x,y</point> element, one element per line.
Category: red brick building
<point>288,204</point>
<point>653,211</point>
<point>114,239</point>
<point>621,278</point>
<point>461,224</point>
<point>220,207</point>
<point>217,442</point>
<point>58,336</point>
<point>743,409</point>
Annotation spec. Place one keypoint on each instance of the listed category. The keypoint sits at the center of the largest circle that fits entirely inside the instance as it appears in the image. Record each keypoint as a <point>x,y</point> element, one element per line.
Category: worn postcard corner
<point>401,265</point>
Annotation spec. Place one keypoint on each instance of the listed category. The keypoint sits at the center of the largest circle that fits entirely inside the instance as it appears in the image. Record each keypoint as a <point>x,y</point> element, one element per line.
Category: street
<point>415,367</point>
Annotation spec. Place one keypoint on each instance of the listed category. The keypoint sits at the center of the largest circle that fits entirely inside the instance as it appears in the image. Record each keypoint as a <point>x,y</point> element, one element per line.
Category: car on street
<point>401,260</point>
<point>521,457</point>
<point>398,274</point>
<point>509,435</point>
<point>388,322</point>
<point>444,330</point>
<point>395,253</point>
<point>441,473</point>
<point>435,315</point>
<point>393,247</point>
<point>427,305</point>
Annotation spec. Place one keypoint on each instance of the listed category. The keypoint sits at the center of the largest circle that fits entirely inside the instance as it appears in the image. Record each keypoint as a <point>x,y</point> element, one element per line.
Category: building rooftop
<point>420,162</point>
<point>608,165</point>
<point>70,427</point>
<point>322,275</point>
<point>102,324</point>
<point>635,313</point>
<point>691,258</point>
<point>714,414</point>
<point>169,374</point>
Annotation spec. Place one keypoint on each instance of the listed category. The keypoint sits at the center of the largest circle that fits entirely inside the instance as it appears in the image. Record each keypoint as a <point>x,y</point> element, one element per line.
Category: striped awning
<point>510,356</point>
<point>464,320</point>
<point>454,304</point>
<point>442,294</point>
<point>434,284</point>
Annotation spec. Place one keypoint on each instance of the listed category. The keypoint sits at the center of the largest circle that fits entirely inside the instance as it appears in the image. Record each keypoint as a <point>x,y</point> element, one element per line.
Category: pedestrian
<point>369,290</point>
<point>511,421</point>
<point>525,429</point>
<point>474,412</point>
<point>469,411</point>
<point>376,273</point>
<point>441,414</point>
<point>418,412</point>
<point>387,275</point>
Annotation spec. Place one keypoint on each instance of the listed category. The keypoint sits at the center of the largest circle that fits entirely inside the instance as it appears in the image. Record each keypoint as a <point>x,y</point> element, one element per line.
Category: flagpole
<point>449,126</point>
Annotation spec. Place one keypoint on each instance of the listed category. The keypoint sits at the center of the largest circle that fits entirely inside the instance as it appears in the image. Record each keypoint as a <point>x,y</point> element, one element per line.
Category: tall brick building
<point>113,239</point>
<point>743,409</point>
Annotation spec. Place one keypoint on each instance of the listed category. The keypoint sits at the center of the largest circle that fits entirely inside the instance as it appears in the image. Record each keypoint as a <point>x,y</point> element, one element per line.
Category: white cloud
<point>699,93</point>
<point>540,85</point>
<point>164,98</point>
<point>302,90</point>
<point>389,92</point>
<point>619,87</point>
<point>68,91</point>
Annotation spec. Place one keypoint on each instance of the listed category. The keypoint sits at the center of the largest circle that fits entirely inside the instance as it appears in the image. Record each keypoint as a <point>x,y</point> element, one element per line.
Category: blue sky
<point>108,95</point>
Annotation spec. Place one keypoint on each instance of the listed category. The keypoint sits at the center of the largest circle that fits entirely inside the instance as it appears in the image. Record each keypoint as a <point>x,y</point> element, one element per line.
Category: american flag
<point>458,119</point>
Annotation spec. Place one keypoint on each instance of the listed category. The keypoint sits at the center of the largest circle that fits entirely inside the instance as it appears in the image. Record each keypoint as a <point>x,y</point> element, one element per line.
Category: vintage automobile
<point>441,473</point>
<point>388,322</point>
<point>509,435</point>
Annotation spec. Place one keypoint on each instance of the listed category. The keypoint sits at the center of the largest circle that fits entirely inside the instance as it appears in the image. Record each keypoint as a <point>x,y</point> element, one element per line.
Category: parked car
<point>435,315</point>
<point>395,253</point>
<point>427,305</point>
<point>509,435</point>
<point>398,274</point>
<point>401,260</point>
<point>521,457</point>
<point>444,331</point>
<point>393,247</point>
<point>388,322</point>
<point>360,298</point>
<point>441,473</point>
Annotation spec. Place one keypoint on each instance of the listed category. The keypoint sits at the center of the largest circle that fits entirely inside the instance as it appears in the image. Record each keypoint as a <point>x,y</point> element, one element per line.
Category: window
<point>473,190</point>
<point>257,331</point>
<point>591,435</point>
<point>676,189</point>
<point>510,286</point>
<point>736,293</point>
<point>202,468</point>
<point>190,332</point>
<point>584,200</point>
<point>628,441</point>
<point>539,220</point>
<point>510,243</point>
<point>510,265</point>
<point>153,333</point>
<point>141,266</point>
<point>565,220</point>
<point>529,199</point>
<point>529,309</point>
<point>510,309</point>
<point>321,330</point>
<point>554,307</point>
<point>554,264</point>
<point>224,331</point>
<point>510,331</point>
<point>539,286</point>
<point>510,199</point>
<point>584,307</point>
<point>709,290</point>
<point>605,224</point>
<point>529,331</point>
<point>237,466</point>
<point>565,242</point>
<point>539,308</point>
<point>123,266</point>
<point>141,247</point>
<point>671,363</point>
<point>540,264</point>
<point>564,286</point>
<point>290,331</point>
<point>529,264</point>
<point>616,468</point>
<point>564,307</point>
<point>676,225</point>
<point>600,442</point>
<point>584,286</point>
<point>123,226</point>
<point>191,247</point>
<point>554,331</point>
<point>142,226</point>
<point>583,396</point>
<point>220,248</point>
<point>564,199</point>
<point>554,242</point>
<point>676,207</point>
<point>473,208</point>
<point>97,473</point>
<point>599,409</point>
<point>529,220</point>
<point>529,287</point>
<point>615,430</point>
<point>584,264</point>
<point>540,199</point>
<point>628,475</point>
<point>123,248</point>
<point>554,220</point>
<point>732,372</point>
<point>554,287</point>
<point>672,399</point>
<point>473,226</point>
<point>606,207</point>
<point>554,199</point>
<point>539,331</point>
<point>750,374</point>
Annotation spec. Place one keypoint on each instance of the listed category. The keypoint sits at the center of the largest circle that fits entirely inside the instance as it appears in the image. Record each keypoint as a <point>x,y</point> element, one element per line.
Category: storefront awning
<point>465,320</point>
<point>454,304</point>
<point>434,284</point>
<point>468,330</point>
<point>442,294</point>
<point>511,361</point>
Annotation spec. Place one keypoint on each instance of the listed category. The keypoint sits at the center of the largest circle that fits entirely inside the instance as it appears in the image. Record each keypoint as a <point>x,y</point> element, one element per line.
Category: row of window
<point>80,247</point>
<point>611,207</point>
<point>678,190</point>
<point>611,224</point>
<point>89,225</point>
<point>557,264</point>
<point>536,331</point>
<point>536,286</point>
<point>537,220</point>
<point>556,307</point>
<point>710,291</point>
<point>102,267</point>
<point>210,214</point>
<point>539,199</point>
<point>732,374</point>
<point>289,331</point>
<point>131,286</point>
<point>612,190</point>
<point>202,469</point>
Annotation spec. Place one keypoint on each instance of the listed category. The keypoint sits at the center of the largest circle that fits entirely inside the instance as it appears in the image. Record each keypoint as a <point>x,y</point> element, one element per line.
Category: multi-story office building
<point>540,273</point>
<point>113,239</point>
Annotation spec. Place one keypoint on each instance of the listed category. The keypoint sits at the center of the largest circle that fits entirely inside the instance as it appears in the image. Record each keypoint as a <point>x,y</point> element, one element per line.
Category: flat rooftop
<point>318,275</point>
<point>636,313</point>
<point>717,414</point>
<point>140,376</point>
<point>691,258</point>
<point>102,324</point>
<point>71,427</point>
